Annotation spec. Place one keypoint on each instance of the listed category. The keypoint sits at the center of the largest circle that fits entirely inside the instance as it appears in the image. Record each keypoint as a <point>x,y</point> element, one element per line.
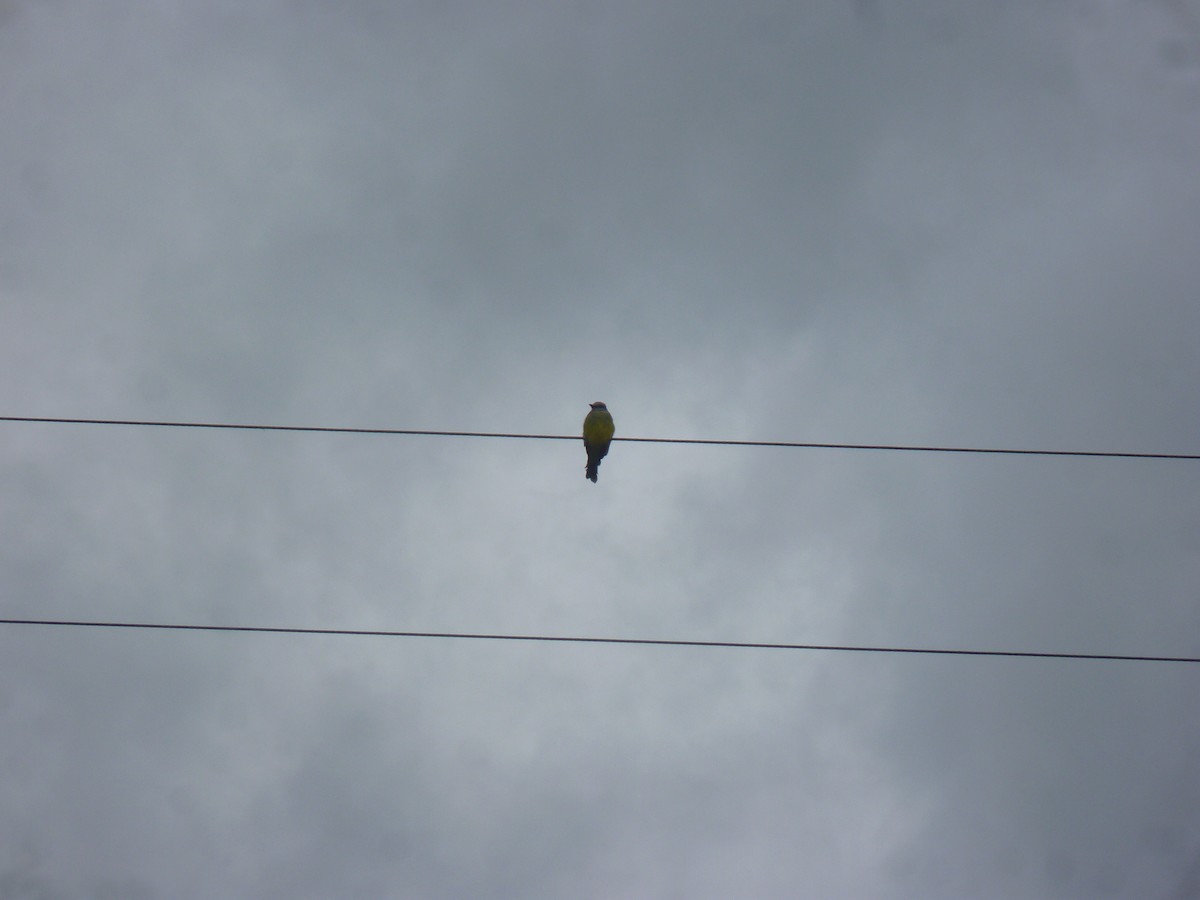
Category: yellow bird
<point>597,435</point>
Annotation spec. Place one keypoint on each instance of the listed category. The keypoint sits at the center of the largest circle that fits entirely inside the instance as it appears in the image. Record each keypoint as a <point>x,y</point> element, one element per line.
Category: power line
<point>570,639</point>
<point>807,445</point>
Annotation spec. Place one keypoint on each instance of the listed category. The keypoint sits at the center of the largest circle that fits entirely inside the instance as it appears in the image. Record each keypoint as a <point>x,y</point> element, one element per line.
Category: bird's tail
<point>593,471</point>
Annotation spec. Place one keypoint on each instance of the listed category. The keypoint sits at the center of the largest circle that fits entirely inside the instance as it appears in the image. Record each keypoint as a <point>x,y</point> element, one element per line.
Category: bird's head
<point>599,405</point>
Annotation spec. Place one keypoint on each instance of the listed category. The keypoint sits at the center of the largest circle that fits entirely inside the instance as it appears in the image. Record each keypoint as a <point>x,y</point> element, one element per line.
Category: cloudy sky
<point>899,221</point>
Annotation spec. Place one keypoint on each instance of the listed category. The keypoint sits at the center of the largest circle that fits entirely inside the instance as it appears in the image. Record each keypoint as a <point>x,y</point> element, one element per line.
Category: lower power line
<point>569,639</point>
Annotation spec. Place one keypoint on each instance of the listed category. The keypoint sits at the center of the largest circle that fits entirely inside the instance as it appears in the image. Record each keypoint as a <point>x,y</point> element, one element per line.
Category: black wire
<point>810,445</point>
<point>567,639</point>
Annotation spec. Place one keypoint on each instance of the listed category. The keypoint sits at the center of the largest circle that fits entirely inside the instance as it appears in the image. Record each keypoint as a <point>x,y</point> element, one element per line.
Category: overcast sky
<point>899,221</point>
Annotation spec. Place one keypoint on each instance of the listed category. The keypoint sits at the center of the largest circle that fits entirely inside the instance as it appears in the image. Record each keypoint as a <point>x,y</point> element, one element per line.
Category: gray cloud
<point>897,222</point>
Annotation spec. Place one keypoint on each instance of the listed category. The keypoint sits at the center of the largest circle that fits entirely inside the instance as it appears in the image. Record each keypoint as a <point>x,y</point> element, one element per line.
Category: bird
<point>597,435</point>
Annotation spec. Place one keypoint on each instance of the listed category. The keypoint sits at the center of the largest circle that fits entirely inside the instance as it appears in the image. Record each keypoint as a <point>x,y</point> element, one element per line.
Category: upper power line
<point>809,445</point>
<point>571,639</point>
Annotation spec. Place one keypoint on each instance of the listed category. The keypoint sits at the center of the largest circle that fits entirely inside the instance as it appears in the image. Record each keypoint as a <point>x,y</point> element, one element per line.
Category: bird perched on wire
<point>597,435</point>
